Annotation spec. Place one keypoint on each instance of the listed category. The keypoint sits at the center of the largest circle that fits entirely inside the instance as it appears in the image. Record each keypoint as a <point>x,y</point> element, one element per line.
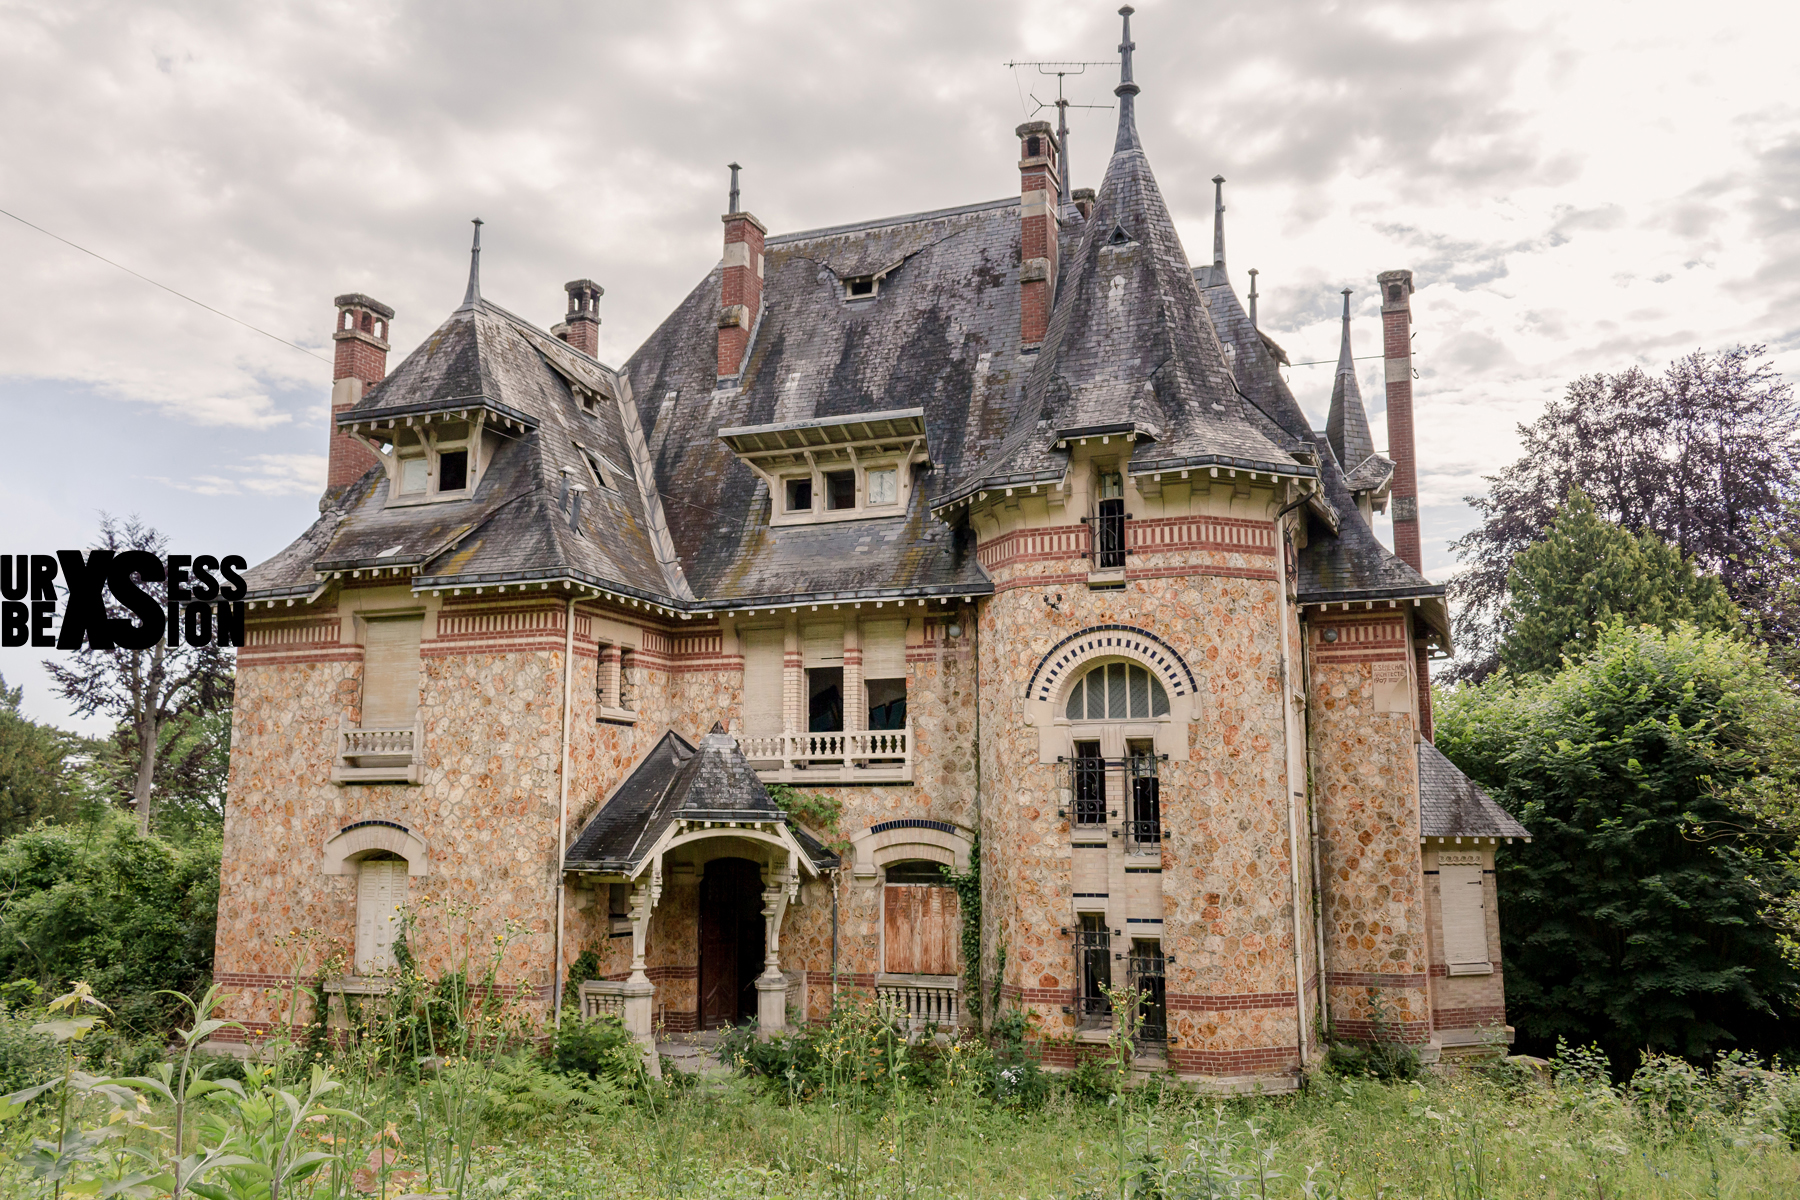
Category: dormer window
<point>431,459</point>
<point>598,467</point>
<point>834,468</point>
<point>799,494</point>
<point>859,288</point>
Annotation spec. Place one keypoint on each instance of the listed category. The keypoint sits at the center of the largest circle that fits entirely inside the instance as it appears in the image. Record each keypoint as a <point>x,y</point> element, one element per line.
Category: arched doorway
<point>731,941</point>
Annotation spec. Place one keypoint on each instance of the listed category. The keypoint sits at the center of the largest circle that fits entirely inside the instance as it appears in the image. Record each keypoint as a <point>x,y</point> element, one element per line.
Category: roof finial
<point>1346,362</point>
<point>734,187</point>
<point>1219,224</point>
<point>1127,90</point>
<point>473,295</point>
<point>1253,274</point>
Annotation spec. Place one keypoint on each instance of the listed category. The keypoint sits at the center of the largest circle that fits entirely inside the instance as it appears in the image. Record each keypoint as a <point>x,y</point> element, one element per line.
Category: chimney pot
<point>581,326</point>
<point>361,341</point>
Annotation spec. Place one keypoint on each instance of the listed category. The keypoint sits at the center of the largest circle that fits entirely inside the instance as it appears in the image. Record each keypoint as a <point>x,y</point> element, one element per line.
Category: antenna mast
<point>1062,105</point>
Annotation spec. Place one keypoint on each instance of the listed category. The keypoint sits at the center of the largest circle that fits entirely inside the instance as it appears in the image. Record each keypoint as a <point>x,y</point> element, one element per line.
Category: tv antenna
<point>1062,106</point>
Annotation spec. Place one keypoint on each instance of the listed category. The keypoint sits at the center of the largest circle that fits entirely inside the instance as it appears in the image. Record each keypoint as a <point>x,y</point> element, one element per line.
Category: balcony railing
<point>378,754</point>
<point>862,756</point>
<point>1143,829</point>
<point>1106,536</point>
<point>1086,786</point>
<point>602,996</point>
<point>922,1003</point>
<point>1145,975</point>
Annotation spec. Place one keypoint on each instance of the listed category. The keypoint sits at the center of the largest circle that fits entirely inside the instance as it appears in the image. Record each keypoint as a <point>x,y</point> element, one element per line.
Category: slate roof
<point>1130,348</point>
<point>1453,805</point>
<point>941,333</point>
<point>1350,563</point>
<point>516,525</point>
<point>677,780</point>
<point>1347,423</point>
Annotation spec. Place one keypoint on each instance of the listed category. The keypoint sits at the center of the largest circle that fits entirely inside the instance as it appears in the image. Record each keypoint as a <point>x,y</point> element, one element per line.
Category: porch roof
<point>678,781</point>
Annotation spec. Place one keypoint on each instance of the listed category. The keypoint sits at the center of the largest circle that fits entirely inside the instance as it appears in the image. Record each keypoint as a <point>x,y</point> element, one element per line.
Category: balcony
<point>377,755</point>
<point>921,1002</point>
<point>863,756</point>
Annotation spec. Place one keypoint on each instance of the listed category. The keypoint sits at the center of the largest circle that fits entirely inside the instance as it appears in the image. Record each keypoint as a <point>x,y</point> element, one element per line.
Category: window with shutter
<point>762,681</point>
<point>380,893</point>
<point>921,928</point>
<point>1465,918</point>
<point>390,690</point>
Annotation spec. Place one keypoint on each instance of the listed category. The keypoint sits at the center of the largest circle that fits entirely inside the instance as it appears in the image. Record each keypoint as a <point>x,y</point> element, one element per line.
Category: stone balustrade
<point>859,756</point>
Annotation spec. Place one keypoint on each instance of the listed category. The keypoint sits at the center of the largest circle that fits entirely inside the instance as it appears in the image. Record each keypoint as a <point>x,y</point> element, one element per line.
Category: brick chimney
<point>1039,186</point>
<point>1396,337</point>
<point>362,349</point>
<point>581,327</point>
<point>1084,201</point>
<point>740,293</point>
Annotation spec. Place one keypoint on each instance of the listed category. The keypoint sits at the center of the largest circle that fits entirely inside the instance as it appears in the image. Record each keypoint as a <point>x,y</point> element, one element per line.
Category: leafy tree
<point>36,780</point>
<point>145,690</point>
<point>130,915</point>
<point>1773,576</point>
<point>1639,914</point>
<point>1587,572</point>
<point>1701,456</point>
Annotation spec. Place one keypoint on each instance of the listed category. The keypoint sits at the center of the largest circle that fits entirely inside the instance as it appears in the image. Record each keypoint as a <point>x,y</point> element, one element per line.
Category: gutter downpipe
<point>562,813</point>
<point>1287,771</point>
<point>1312,810</point>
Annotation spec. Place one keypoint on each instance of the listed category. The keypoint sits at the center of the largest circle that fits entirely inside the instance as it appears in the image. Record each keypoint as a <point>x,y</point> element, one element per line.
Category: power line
<point>165,287</point>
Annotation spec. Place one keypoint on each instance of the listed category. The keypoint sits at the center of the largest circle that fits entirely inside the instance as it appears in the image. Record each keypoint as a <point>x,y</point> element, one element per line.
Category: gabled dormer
<point>848,468</point>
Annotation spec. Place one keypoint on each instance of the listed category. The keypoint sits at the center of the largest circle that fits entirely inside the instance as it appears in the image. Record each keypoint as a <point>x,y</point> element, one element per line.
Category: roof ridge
<point>883,222</point>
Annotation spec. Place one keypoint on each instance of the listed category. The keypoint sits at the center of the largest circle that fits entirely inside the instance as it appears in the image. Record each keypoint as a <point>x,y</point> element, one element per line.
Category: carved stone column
<point>639,992</point>
<point>771,985</point>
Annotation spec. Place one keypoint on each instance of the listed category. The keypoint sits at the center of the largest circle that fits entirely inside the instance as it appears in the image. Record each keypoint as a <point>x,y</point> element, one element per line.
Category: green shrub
<point>599,1048</point>
<point>26,1058</point>
<point>519,1091</point>
<point>1389,1059</point>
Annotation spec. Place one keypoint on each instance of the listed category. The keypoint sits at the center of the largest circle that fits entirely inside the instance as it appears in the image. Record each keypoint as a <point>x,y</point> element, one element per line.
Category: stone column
<point>639,992</point>
<point>856,706</point>
<point>771,985</point>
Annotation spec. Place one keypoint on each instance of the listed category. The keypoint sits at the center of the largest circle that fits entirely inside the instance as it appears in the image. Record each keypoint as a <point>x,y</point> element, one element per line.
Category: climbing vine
<point>968,893</point>
<point>819,812</point>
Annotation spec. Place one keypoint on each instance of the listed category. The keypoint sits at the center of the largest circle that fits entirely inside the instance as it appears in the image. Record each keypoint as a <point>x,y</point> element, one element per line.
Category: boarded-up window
<point>1465,918</point>
<point>391,673</point>
<point>762,681</point>
<point>921,931</point>
<point>884,649</point>
<point>822,645</point>
<point>380,891</point>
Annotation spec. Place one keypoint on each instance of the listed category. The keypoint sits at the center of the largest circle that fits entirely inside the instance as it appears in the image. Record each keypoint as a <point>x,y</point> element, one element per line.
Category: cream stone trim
<point>346,845</point>
<point>874,851</point>
<point>1048,691</point>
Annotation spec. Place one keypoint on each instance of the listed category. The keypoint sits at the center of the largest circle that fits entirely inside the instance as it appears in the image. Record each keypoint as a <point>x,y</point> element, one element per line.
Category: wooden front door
<point>731,941</point>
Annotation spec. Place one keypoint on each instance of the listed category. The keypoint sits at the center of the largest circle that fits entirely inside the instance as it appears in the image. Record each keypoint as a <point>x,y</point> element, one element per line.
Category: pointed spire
<point>1253,275</point>
<point>1219,228</point>
<point>1127,90</point>
<point>1347,426</point>
<point>473,295</point>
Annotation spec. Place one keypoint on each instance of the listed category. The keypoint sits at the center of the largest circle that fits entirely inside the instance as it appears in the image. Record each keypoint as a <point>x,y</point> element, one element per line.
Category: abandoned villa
<point>998,524</point>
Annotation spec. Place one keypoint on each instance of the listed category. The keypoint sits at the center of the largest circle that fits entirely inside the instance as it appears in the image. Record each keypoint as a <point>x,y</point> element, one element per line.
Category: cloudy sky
<point>1578,188</point>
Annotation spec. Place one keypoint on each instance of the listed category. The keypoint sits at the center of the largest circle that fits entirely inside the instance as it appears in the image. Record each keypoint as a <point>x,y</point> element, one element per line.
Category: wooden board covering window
<point>380,891</point>
<point>390,697</point>
<point>762,681</point>
<point>884,649</point>
<point>1465,918</point>
<point>922,933</point>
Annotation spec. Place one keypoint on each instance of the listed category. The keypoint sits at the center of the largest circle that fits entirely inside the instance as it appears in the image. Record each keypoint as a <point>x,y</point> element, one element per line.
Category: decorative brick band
<point>1413,1033</point>
<point>1040,995</point>
<point>1368,979</point>
<point>845,979</point>
<point>1259,1060</point>
<point>248,979</point>
<point>1225,572</point>
<point>1236,1002</point>
<point>1398,654</point>
<point>1486,1015</point>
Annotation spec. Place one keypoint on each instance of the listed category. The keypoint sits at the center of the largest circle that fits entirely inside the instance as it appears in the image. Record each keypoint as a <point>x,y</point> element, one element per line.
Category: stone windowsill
<point>616,716</point>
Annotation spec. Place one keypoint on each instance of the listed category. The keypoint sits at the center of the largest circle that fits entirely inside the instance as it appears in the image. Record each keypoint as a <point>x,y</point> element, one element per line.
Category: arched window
<point>1117,691</point>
